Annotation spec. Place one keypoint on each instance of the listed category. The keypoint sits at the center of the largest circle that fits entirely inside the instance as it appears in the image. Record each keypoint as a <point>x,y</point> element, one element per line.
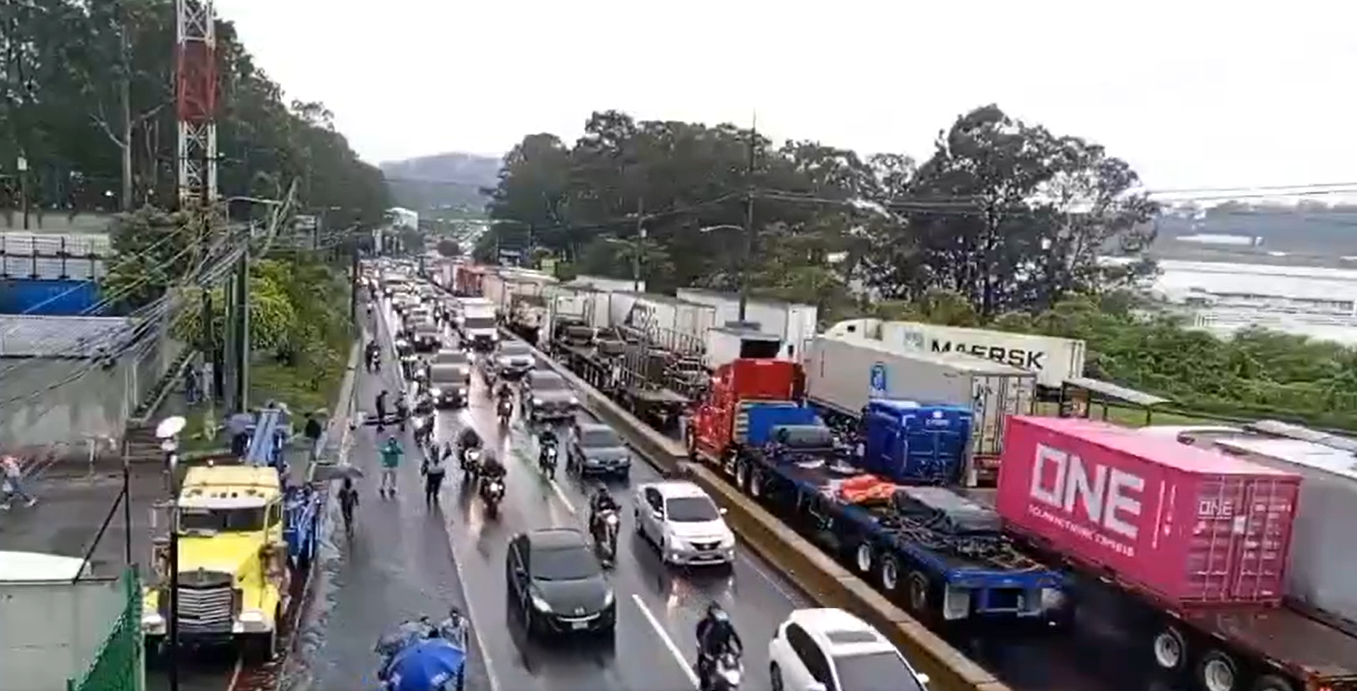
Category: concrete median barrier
<point>814,573</point>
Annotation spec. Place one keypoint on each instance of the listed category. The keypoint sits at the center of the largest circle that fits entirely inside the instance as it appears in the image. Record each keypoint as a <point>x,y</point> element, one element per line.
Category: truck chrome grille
<point>206,609</point>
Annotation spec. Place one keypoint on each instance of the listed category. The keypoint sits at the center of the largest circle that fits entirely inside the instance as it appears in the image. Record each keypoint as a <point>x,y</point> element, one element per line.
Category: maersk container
<point>1181,524</point>
<point>795,324</point>
<point>1055,360</point>
<point>843,373</point>
<point>50,298</point>
<point>1322,570</point>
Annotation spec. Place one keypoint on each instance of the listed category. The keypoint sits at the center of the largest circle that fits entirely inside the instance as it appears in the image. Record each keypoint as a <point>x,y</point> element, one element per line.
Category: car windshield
<point>547,383</point>
<point>452,358</point>
<point>563,564</point>
<point>514,349</point>
<point>242,520</point>
<point>691,510</point>
<point>865,672</point>
<point>479,323</point>
<point>600,438</point>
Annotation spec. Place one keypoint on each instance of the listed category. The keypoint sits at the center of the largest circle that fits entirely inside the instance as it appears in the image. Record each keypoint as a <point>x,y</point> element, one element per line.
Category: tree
<point>449,248</point>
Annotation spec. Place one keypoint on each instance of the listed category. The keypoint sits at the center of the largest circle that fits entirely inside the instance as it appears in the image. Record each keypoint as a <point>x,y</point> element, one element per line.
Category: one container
<point>1182,524</point>
<point>1055,360</point>
<point>1322,570</point>
<point>607,285</point>
<point>843,373</point>
<point>794,323</point>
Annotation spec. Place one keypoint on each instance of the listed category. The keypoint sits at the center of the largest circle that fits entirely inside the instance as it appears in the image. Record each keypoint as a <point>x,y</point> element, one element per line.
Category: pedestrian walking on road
<point>313,430</point>
<point>434,471</point>
<point>391,460</point>
<point>12,478</point>
<point>238,426</point>
<point>380,405</point>
<point>348,501</point>
<point>191,388</point>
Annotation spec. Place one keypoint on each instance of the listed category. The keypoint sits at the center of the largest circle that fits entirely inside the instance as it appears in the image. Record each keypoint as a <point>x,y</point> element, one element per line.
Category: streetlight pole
<point>168,432</point>
<point>746,256</point>
<point>748,220</point>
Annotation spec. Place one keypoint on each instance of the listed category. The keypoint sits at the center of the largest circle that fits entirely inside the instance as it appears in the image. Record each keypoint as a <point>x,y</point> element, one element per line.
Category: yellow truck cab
<point>233,575</point>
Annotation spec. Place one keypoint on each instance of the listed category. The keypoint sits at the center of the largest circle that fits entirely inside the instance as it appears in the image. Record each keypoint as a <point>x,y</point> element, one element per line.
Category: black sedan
<point>557,584</point>
<point>596,449</point>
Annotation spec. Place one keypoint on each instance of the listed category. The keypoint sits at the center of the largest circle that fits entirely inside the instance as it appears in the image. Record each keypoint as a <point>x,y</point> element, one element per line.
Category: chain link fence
<point>120,663</point>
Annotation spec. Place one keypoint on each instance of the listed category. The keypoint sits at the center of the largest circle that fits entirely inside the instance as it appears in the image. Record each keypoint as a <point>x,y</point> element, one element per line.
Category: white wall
<point>50,632</point>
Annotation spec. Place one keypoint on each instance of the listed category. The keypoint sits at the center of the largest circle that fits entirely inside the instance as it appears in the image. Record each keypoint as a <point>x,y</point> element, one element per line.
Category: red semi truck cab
<point>711,428</point>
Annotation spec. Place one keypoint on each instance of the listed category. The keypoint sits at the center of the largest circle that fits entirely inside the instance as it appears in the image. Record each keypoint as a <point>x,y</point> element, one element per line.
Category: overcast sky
<point>1194,93</point>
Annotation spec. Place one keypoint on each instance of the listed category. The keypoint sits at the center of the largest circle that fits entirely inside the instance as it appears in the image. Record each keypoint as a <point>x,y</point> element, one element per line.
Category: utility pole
<point>23,187</point>
<point>242,332</point>
<point>748,254</point>
<point>639,247</point>
<point>211,351</point>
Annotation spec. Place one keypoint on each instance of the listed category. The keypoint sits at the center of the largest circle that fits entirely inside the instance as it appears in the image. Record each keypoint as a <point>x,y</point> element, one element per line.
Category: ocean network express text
<point>1104,499</point>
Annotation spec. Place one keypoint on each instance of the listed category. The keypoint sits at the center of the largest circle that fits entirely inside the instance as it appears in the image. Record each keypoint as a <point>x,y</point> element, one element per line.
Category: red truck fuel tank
<point>1184,525</point>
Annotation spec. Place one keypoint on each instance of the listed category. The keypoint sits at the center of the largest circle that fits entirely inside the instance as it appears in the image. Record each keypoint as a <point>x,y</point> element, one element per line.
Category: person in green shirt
<point>391,459</point>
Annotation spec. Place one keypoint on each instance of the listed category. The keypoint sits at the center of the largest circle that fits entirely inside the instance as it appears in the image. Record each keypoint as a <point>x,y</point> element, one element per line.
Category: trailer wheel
<point>919,587</point>
<point>742,476</point>
<point>863,559</point>
<point>1170,650</point>
<point>888,571</point>
<point>1218,672</point>
<point>1272,683</point>
<point>755,484</point>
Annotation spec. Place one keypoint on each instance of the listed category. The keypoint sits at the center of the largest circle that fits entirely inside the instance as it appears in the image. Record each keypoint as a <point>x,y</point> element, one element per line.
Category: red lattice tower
<point>196,100</point>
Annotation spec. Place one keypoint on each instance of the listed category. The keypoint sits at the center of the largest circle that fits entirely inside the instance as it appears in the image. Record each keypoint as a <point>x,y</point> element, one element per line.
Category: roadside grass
<point>1134,417</point>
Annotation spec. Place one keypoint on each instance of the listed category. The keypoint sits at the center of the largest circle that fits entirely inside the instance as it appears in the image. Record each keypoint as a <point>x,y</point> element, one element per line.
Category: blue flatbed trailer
<point>932,550</point>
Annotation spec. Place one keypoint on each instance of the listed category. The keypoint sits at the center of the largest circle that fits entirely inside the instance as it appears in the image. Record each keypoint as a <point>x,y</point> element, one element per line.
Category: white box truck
<point>795,324</point>
<point>477,324</point>
<point>844,372</point>
<point>1055,360</point>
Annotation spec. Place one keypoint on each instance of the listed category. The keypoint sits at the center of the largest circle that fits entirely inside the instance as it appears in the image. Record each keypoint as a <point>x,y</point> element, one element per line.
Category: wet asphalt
<point>406,559</point>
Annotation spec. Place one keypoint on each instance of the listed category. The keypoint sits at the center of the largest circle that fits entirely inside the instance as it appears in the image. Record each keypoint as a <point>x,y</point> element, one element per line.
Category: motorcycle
<point>726,672</point>
<point>546,460</point>
<point>374,361</point>
<point>470,463</point>
<point>491,493</point>
<point>605,535</point>
<point>505,410</point>
<point>423,430</point>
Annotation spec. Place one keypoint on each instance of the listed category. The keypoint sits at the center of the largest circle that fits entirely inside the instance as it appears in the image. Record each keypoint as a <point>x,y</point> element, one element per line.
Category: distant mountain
<point>450,182</point>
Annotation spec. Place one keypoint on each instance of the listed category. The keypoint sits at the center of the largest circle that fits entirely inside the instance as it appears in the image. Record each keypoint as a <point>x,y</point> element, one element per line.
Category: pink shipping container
<point>1181,524</point>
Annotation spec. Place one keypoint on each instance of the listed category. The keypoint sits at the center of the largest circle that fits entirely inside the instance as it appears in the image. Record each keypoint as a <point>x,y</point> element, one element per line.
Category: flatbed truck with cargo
<point>930,549</point>
<point>1185,546</point>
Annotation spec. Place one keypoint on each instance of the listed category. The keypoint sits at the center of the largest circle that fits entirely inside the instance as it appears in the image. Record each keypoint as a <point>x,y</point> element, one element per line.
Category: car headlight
<point>574,401</point>
<point>532,362</point>
<point>536,401</point>
<point>494,336</point>
<point>728,541</point>
<point>401,343</point>
<point>541,604</point>
<point>436,392</point>
<point>608,599</point>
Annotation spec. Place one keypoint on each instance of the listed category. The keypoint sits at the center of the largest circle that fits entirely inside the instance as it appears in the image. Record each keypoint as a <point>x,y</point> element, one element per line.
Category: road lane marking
<point>664,638</point>
<point>560,494</point>
<point>235,674</point>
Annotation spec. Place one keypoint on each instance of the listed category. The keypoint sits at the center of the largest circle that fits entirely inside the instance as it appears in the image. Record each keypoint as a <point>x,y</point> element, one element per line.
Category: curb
<point>804,564</point>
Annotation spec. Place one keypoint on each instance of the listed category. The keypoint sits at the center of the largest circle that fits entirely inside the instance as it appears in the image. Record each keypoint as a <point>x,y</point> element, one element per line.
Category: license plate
<point>579,625</point>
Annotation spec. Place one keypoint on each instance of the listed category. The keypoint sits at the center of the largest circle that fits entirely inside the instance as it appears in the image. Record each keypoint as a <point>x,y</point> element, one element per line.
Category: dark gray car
<point>449,384</point>
<point>547,396</point>
<point>513,359</point>
<point>428,337</point>
<point>596,449</point>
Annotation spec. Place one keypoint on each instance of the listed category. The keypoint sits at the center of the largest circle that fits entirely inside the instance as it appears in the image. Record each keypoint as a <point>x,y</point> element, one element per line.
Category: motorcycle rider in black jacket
<point>715,635</point>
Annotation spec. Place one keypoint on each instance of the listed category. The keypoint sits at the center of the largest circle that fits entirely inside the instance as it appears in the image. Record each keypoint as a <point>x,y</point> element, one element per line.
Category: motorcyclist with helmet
<point>601,502</point>
<point>374,356</point>
<point>492,468</point>
<point>546,440</point>
<point>715,636</point>
<point>402,411</point>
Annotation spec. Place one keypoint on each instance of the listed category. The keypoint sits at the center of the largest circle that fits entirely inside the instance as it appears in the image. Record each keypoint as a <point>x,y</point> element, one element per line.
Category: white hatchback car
<point>832,650</point>
<point>683,523</point>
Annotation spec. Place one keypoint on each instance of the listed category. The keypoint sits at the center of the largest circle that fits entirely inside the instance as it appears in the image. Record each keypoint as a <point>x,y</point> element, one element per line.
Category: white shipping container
<point>494,288</point>
<point>608,285</point>
<point>1055,360</point>
<point>619,306</point>
<point>844,372</point>
<point>795,324</point>
<point>1321,563</point>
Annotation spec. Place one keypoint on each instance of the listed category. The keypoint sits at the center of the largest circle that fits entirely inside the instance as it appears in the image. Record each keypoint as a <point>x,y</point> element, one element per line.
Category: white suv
<point>832,650</point>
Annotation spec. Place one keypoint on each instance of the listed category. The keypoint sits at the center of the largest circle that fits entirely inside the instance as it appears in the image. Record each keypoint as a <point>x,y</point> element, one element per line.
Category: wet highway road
<point>407,560</point>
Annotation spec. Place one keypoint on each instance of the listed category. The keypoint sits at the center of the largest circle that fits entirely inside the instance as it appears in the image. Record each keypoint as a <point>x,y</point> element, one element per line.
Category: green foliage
<point>449,248</point>
<point>153,249</point>
<point>86,93</point>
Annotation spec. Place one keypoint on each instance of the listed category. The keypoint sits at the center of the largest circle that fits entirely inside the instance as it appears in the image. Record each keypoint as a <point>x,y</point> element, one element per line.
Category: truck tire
<point>888,573</point>
<point>864,559</point>
<point>1217,671</point>
<point>1169,649</point>
<point>1270,682</point>
<point>756,487</point>
<point>742,476</point>
<point>918,592</point>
